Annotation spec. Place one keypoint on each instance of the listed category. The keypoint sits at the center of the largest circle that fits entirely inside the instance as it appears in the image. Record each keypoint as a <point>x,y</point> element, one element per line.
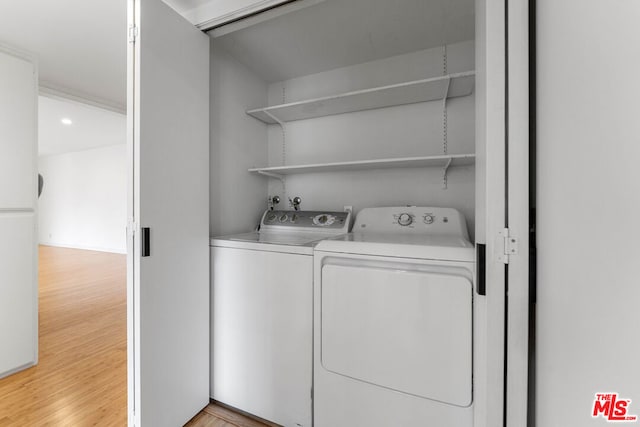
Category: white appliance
<point>393,321</point>
<point>261,314</point>
<point>18,195</point>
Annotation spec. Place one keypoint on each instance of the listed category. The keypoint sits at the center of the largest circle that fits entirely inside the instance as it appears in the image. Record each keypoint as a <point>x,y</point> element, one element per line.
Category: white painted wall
<point>588,199</point>
<point>83,204</point>
<point>402,131</point>
<point>238,142</point>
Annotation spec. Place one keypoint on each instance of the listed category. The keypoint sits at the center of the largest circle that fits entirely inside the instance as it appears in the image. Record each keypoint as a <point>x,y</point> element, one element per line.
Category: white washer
<point>393,321</point>
<point>261,318</point>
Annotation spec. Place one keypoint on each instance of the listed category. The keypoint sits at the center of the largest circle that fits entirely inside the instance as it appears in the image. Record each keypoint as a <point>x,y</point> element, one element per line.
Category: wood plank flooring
<point>219,416</point>
<point>81,377</point>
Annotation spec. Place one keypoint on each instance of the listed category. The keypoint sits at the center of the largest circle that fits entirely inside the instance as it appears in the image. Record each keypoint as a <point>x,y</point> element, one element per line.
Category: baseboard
<point>18,369</point>
<point>86,248</point>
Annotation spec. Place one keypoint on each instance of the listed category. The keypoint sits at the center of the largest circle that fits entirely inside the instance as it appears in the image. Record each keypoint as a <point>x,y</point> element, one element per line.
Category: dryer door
<point>406,327</point>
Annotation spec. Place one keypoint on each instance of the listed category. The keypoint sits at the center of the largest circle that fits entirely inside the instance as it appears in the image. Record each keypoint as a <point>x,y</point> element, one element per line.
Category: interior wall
<point>402,131</point>
<point>238,142</point>
<point>83,203</point>
<point>588,199</point>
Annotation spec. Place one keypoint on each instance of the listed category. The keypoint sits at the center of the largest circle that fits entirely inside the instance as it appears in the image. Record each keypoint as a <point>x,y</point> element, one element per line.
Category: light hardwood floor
<point>81,377</point>
<point>218,416</point>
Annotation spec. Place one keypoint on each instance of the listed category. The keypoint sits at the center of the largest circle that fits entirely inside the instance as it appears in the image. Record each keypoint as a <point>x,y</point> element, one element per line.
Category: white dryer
<point>393,321</point>
<point>261,314</point>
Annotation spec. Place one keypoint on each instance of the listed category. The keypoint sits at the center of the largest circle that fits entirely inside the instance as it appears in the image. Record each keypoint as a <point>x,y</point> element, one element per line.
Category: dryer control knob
<point>428,219</point>
<point>405,219</point>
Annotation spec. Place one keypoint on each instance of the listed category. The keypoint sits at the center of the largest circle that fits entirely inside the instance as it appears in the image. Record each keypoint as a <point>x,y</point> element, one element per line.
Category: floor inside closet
<point>219,416</point>
<point>81,377</point>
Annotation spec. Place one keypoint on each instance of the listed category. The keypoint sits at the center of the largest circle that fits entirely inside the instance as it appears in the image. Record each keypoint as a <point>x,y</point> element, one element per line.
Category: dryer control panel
<point>335,222</point>
<point>411,220</point>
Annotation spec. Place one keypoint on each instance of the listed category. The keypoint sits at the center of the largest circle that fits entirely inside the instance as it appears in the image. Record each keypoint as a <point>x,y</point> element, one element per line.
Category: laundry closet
<point>343,110</point>
<point>344,104</point>
<point>378,97</point>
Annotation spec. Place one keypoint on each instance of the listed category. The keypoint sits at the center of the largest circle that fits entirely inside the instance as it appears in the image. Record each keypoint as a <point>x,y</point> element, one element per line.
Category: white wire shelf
<point>443,161</point>
<point>437,88</point>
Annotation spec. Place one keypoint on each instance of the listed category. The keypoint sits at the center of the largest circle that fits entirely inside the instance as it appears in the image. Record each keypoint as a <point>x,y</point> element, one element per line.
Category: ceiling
<point>339,33</point>
<point>183,6</point>
<point>91,127</point>
<point>81,45</point>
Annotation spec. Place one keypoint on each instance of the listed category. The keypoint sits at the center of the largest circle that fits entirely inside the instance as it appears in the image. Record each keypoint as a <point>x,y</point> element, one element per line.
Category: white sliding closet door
<point>168,286</point>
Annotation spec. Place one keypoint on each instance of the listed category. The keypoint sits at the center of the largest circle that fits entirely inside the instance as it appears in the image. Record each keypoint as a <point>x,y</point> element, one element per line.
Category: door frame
<point>133,378</point>
<point>502,202</point>
<point>132,83</point>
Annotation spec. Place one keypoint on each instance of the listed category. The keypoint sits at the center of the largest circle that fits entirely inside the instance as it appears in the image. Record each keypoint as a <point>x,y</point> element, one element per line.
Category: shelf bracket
<point>444,173</point>
<point>272,175</point>
<point>274,118</point>
<point>446,90</point>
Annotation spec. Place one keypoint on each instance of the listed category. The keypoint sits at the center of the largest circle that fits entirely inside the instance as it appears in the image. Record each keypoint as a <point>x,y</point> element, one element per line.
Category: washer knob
<point>405,219</point>
<point>283,218</point>
<point>271,217</point>
<point>428,219</point>
<point>324,219</point>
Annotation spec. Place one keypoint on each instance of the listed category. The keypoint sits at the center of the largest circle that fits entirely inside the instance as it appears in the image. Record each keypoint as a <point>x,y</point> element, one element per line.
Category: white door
<point>18,194</point>
<point>489,302</point>
<point>168,268</point>
<point>502,214</point>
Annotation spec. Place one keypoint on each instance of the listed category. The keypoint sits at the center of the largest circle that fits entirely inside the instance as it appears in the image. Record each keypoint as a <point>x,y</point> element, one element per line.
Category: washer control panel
<point>411,220</point>
<point>324,220</point>
<point>306,220</point>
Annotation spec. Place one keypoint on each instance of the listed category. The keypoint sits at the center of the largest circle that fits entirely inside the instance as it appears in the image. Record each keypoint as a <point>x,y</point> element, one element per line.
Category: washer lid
<point>438,247</point>
<point>277,238</point>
